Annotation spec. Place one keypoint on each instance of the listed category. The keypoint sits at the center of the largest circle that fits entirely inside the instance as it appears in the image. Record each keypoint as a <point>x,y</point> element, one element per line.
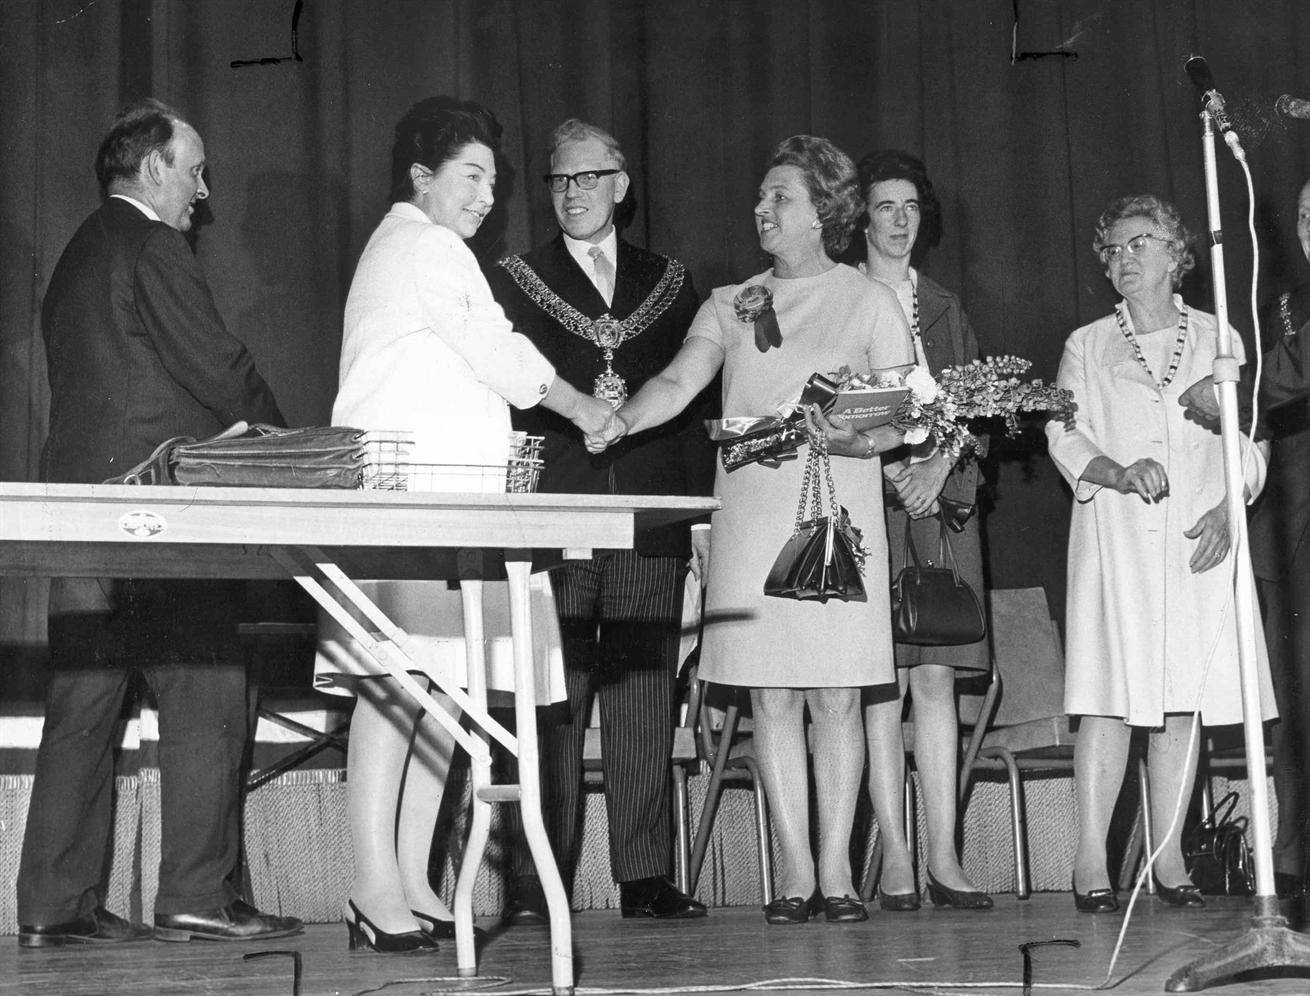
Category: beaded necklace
<point>1120,316</point>
<point>914,310</point>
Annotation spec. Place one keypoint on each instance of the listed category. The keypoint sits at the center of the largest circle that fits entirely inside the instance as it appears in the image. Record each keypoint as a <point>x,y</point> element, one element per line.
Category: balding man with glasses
<point>609,316</point>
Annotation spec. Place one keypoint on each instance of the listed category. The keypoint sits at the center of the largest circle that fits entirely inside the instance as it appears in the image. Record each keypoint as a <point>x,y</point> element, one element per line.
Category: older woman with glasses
<point>795,656</point>
<point>1150,634</point>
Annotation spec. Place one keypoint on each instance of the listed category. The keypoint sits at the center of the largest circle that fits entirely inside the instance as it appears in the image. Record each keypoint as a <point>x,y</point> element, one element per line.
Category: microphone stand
<point>1267,943</point>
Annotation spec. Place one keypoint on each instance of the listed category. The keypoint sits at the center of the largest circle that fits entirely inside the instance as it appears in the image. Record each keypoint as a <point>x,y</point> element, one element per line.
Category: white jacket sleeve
<point>1072,449</point>
<point>454,298</point>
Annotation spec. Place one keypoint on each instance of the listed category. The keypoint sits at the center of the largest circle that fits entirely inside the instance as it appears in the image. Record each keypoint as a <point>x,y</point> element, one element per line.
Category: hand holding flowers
<point>947,407</point>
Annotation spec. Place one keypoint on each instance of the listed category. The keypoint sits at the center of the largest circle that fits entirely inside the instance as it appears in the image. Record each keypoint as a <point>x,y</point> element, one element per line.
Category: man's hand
<point>1145,478</point>
<point>611,432</point>
<point>919,483</point>
<point>1200,400</point>
<point>700,554</point>
<point>1211,532</point>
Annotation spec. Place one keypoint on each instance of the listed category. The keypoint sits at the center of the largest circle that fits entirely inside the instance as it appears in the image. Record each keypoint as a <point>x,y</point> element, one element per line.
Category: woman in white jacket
<point>426,350</point>
<point>1150,631</point>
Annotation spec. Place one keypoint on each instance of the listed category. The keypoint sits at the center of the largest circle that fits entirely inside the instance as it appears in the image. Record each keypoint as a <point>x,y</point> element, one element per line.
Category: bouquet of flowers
<point>958,399</point>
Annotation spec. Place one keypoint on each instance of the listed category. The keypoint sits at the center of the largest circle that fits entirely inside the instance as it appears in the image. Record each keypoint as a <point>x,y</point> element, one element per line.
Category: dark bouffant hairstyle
<point>895,164</point>
<point>830,176</point>
<point>139,129</point>
<point>432,132</point>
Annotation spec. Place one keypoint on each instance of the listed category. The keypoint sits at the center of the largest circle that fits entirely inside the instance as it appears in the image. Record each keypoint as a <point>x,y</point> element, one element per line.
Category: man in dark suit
<point>1280,558</point>
<point>136,354</point>
<point>609,316</point>
<point>1280,548</point>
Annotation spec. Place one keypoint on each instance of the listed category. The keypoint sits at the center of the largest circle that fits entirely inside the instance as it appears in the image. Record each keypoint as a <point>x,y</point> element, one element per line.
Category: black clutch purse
<point>824,556</point>
<point>934,606</point>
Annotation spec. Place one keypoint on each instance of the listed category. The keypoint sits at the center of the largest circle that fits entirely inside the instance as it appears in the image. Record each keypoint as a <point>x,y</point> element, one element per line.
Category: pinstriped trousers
<point>620,615</point>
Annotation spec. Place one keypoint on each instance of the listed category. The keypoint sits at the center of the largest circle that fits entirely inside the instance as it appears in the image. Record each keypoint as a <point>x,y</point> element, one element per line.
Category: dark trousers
<point>620,616</point>
<point>1286,607</point>
<point>168,633</point>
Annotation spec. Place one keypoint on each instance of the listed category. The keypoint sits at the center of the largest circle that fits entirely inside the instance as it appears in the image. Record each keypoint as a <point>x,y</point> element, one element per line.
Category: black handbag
<point>824,556</point>
<point>934,606</point>
<point>1216,855</point>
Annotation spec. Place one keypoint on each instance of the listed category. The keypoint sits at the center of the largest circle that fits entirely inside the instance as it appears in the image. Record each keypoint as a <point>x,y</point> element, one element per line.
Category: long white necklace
<point>1174,361</point>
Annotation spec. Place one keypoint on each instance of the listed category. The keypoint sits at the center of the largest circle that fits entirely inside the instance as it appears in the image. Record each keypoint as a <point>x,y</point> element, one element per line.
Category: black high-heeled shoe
<point>443,929</point>
<point>1096,901</point>
<point>364,935</point>
<point>942,896</point>
<point>898,902</point>
<point>1180,895</point>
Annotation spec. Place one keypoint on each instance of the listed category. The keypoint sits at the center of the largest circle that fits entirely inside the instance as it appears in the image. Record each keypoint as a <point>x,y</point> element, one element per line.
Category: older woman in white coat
<point>1150,632</point>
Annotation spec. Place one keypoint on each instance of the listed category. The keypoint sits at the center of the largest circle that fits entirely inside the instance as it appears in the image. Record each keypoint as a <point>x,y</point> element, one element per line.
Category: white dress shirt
<point>145,209</point>
<point>581,251</point>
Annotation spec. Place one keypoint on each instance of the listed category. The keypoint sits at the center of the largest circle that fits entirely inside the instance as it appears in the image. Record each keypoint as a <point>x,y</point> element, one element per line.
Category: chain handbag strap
<point>812,487</point>
<point>826,461</point>
<point>808,483</point>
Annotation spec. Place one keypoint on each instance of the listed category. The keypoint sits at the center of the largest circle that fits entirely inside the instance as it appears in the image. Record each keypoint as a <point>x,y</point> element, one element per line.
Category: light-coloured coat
<point>1144,635</point>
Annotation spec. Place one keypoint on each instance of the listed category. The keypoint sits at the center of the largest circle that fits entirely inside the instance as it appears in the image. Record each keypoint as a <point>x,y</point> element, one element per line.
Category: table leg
<point>534,828</point>
<point>475,845</point>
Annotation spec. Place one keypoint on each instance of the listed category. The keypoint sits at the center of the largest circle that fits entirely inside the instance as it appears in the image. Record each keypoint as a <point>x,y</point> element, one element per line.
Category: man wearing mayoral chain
<point>609,316</point>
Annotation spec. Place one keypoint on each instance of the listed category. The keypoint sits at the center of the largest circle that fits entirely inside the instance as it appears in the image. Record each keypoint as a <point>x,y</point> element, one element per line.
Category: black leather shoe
<point>442,929</point>
<point>237,921</point>
<point>898,902</point>
<point>793,909</point>
<point>97,927</point>
<point>527,903</point>
<point>844,909</point>
<point>659,898</point>
<point>1096,901</point>
<point>942,896</point>
<point>1180,895</point>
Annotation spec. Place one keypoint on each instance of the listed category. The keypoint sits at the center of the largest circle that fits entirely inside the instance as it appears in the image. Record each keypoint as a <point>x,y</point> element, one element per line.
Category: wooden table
<point>323,539</point>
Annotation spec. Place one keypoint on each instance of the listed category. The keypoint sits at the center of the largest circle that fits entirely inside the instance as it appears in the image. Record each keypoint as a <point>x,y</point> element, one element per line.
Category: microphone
<point>1213,101</point>
<point>1293,107</point>
<point>1198,70</point>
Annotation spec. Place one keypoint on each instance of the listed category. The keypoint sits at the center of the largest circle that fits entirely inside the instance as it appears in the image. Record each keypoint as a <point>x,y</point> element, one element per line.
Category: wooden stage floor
<point>937,951</point>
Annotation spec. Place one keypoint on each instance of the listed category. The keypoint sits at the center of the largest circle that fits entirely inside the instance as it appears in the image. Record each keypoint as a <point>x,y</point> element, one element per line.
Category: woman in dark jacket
<point>927,492</point>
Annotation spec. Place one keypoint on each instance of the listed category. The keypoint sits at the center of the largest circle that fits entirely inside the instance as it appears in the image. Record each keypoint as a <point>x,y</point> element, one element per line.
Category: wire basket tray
<point>388,467</point>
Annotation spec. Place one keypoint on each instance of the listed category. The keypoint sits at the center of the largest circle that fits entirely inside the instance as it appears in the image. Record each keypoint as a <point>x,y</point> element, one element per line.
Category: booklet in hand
<point>866,407</point>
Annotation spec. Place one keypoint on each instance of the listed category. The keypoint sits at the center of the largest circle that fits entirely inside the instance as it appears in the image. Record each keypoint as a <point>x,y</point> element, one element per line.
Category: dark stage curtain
<point>1023,153</point>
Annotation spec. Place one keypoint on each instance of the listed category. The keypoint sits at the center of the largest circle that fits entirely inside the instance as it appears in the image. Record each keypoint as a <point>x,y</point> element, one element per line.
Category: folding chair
<point>1029,730</point>
<point>726,745</point>
<point>283,713</point>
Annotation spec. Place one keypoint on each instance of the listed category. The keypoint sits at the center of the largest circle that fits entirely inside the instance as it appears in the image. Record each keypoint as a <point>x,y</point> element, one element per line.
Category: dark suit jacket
<point>136,350</point>
<point>675,459</point>
<point>1281,516</point>
<point>137,354</point>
